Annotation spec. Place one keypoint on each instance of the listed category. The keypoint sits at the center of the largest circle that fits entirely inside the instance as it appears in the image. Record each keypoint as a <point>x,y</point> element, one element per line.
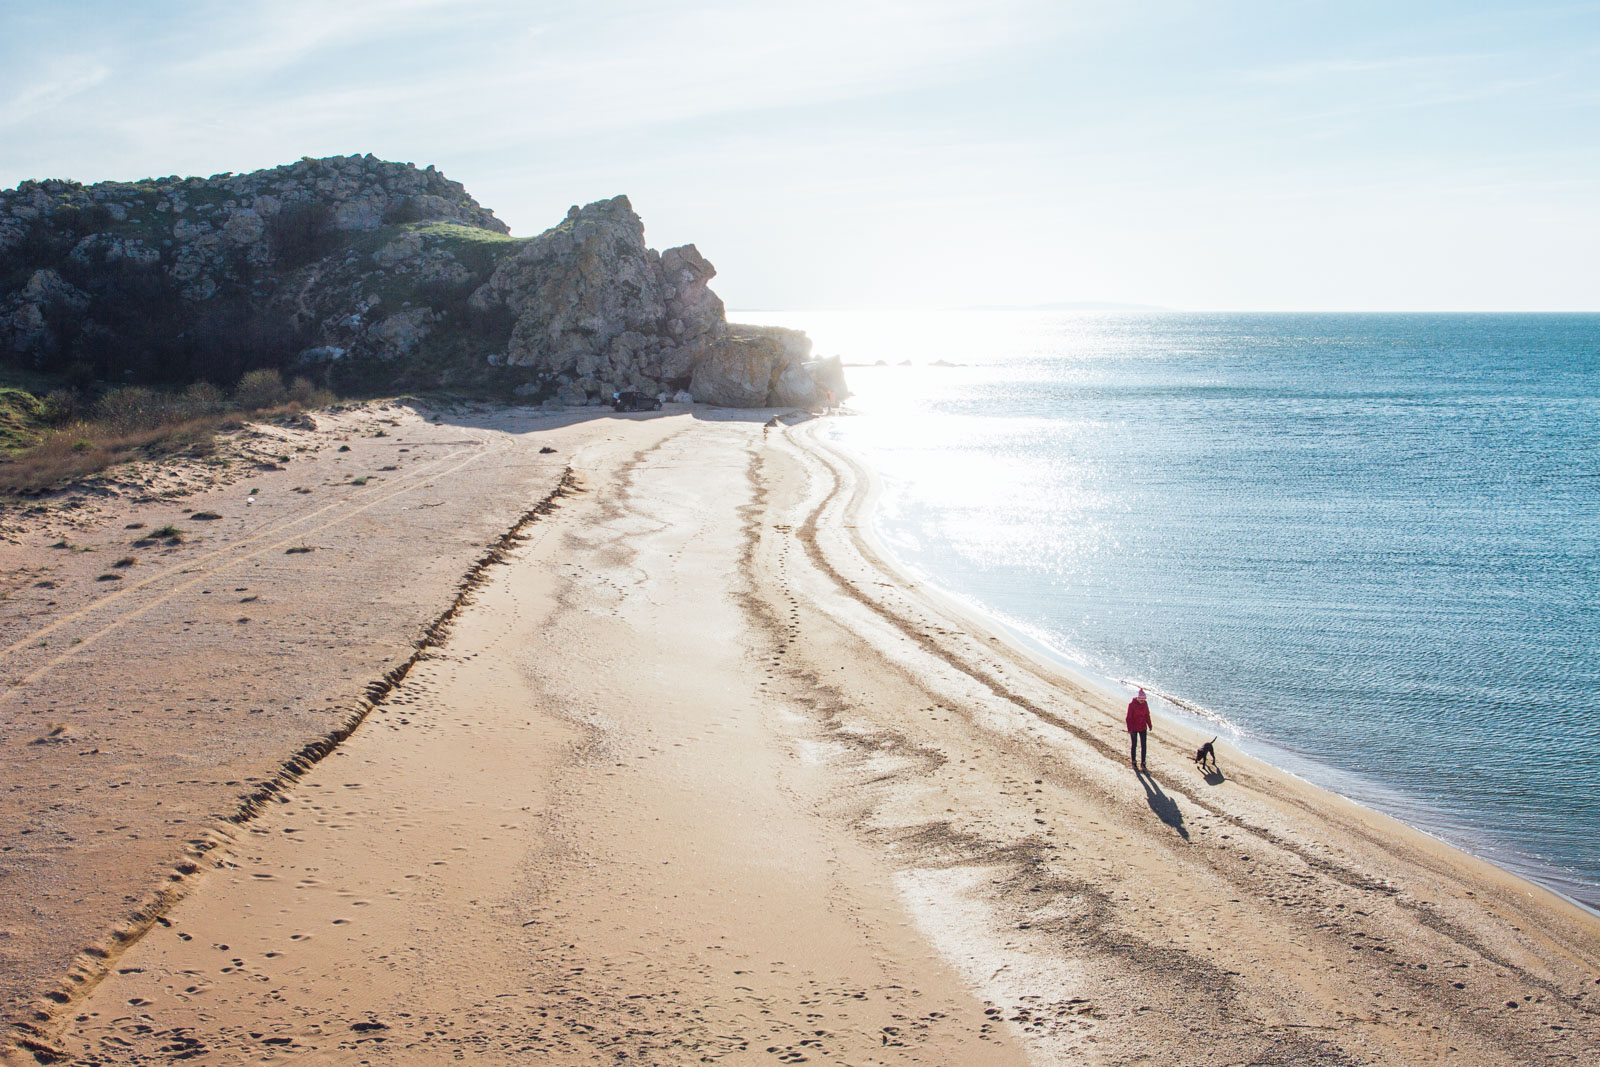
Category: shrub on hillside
<point>260,389</point>
<point>307,394</point>
<point>59,406</point>
<point>301,232</point>
<point>135,408</point>
<point>203,398</point>
<point>403,211</point>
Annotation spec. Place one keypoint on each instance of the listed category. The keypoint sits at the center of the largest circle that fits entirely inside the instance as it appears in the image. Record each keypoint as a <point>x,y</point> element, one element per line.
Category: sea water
<point>1363,547</point>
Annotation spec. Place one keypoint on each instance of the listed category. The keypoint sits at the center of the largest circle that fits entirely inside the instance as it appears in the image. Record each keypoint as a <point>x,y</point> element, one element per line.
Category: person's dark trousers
<point>1136,746</point>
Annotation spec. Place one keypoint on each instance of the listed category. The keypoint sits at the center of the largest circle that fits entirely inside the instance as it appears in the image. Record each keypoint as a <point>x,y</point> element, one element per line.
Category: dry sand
<point>693,777</point>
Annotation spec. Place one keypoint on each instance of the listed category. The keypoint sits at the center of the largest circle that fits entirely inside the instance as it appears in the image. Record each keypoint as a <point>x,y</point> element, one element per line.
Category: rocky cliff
<point>373,275</point>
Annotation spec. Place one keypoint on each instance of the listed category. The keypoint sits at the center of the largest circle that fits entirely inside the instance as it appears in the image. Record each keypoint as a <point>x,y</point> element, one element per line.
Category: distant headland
<point>366,274</point>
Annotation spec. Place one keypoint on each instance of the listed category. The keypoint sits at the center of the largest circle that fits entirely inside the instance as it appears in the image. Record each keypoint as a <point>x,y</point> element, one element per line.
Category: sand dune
<point>695,777</point>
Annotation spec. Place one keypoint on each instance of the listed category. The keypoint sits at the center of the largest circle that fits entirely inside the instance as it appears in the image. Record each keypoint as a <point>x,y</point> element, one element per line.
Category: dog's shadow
<point>1214,775</point>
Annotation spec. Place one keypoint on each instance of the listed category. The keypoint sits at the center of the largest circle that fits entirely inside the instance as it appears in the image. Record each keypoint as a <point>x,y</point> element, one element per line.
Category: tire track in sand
<point>269,529</point>
<point>17,683</point>
<point>95,961</point>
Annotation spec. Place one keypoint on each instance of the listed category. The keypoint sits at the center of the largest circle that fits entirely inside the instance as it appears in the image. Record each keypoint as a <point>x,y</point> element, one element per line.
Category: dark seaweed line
<point>94,961</point>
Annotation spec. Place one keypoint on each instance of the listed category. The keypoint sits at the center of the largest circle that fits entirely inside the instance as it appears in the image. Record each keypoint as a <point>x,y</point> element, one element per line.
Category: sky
<point>1193,154</point>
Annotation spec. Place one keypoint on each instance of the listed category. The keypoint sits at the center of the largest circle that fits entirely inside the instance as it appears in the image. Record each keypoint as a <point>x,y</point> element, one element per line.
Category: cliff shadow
<point>491,415</point>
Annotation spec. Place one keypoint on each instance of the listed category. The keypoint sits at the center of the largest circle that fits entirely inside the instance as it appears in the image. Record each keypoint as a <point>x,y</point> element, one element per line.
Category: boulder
<point>590,298</point>
<point>794,388</point>
<point>399,334</point>
<point>26,324</point>
<point>743,368</point>
<point>829,376</point>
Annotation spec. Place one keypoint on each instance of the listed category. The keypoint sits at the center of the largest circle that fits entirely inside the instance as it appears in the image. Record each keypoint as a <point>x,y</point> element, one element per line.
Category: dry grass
<point>134,423</point>
<point>80,449</point>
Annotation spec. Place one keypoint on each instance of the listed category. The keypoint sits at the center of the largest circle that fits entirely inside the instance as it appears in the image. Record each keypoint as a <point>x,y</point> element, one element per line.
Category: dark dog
<point>1205,757</point>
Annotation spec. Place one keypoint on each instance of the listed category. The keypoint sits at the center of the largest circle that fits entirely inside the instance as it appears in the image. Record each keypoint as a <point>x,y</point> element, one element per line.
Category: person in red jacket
<point>1138,728</point>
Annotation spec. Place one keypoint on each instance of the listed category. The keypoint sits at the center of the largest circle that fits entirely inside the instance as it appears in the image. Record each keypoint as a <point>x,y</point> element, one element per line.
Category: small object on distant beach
<point>134,526</point>
<point>546,450</point>
<point>109,578</point>
<point>297,550</point>
<point>631,400</point>
<point>125,561</point>
<point>205,516</point>
<point>344,448</point>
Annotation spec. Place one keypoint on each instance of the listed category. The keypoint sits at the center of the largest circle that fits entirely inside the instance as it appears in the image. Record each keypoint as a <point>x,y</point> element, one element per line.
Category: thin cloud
<point>628,67</point>
<point>279,35</point>
<point>1329,69</point>
<point>56,89</point>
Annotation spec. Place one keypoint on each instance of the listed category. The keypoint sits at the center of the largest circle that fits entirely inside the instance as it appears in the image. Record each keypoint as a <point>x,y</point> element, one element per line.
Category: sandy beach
<point>638,751</point>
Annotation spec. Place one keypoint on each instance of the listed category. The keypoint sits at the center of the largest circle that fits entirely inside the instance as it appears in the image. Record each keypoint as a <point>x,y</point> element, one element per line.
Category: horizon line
<point>1094,307</point>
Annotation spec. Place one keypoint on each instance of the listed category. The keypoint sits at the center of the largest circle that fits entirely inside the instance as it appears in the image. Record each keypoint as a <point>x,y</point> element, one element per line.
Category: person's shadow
<point>1165,807</point>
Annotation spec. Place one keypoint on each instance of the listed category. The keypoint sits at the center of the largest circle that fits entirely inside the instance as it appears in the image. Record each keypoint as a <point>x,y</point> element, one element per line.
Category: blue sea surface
<point>1365,547</point>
